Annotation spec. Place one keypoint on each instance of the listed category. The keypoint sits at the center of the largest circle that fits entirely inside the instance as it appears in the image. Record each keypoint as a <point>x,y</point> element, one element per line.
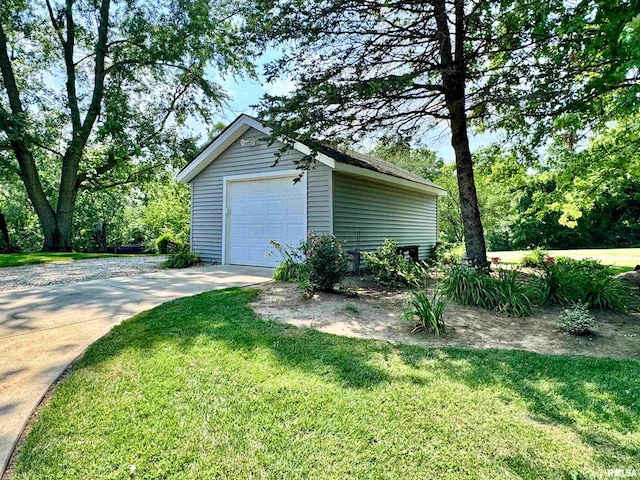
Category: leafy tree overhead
<point>588,69</point>
<point>364,65</point>
<point>93,94</point>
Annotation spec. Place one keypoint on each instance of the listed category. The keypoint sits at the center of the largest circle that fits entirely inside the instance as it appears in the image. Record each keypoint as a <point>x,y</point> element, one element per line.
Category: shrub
<point>534,258</point>
<point>325,261</point>
<point>168,243</point>
<point>389,268</point>
<point>429,312</point>
<point>577,320</point>
<point>420,274</point>
<point>449,254</point>
<point>506,293</point>
<point>182,259</point>
<point>567,281</point>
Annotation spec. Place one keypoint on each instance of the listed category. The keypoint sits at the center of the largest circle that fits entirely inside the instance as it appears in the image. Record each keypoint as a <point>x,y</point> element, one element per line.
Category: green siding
<point>377,211</point>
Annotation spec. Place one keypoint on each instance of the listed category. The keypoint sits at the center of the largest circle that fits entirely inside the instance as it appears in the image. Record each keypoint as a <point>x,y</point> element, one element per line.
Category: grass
<point>20,259</point>
<point>201,388</point>
<point>622,259</point>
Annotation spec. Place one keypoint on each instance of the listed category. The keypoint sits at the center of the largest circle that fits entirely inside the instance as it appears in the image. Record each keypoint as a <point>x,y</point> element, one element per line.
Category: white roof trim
<point>386,178</point>
<point>234,131</point>
<point>244,122</point>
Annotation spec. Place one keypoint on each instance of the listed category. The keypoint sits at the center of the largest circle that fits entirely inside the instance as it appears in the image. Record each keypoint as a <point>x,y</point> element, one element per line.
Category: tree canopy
<point>94,94</point>
<point>364,65</point>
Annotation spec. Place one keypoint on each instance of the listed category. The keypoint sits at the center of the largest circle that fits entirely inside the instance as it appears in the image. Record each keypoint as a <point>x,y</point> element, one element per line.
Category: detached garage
<point>240,200</point>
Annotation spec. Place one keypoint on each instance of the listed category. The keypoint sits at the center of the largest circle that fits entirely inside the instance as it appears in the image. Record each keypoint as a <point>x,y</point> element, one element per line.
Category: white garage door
<point>263,210</point>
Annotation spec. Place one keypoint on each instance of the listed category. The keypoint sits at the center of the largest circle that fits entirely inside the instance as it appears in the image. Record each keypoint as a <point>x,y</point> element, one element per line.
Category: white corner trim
<point>224,141</point>
<point>191,218</point>
<point>383,177</point>
<point>257,176</point>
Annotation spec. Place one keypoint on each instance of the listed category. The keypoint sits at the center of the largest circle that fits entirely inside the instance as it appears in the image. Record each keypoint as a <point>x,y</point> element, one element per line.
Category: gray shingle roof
<point>376,164</point>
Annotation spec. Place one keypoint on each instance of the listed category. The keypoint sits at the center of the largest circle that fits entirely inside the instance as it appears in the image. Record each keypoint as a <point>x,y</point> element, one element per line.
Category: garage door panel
<point>260,211</point>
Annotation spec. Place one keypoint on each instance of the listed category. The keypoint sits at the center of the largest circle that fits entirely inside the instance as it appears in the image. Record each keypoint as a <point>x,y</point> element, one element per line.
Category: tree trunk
<point>57,237</point>
<point>471,222</point>
<point>5,243</point>
<point>454,78</point>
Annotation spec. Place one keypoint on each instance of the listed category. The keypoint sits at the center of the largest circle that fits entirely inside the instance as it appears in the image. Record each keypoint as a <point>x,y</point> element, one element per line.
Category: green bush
<point>419,274</point>
<point>507,293</point>
<point>566,281</point>
<point>449,254</point>
<point>429,312</point>
<point>577,320</point>
<point>291,267</point>
<point>182,259</point>
<point>325,261</point>
<point>534,258</point>
<point>289,271</point>
<point>389,268</point>
<point>167,243</point>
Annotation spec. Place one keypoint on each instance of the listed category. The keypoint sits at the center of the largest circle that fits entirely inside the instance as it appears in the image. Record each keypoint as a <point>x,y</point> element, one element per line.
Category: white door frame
<point>249,177</point>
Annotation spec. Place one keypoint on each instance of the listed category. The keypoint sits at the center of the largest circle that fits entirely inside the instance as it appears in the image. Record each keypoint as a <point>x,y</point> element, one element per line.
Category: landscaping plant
<point>167,243</point>
<point>389,268</point>
<point>449,253</point>
<point>506,293</point>
<point>325,261</point>
<point>511,294</point>
<point>428,311</point>
<point>468,286</point>
<point>566,281</point>
<point>289,271</point>
<point>291,267</point>
<point>534,258</point>
<point>182,259</point>
<point>577,320</point>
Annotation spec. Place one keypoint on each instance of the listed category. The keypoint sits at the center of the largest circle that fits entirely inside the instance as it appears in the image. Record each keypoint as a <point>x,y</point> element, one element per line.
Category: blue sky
<point>244,93</point>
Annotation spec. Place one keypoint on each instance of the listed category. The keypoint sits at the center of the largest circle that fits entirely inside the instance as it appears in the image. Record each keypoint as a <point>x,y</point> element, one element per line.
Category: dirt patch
<point>375,313</point>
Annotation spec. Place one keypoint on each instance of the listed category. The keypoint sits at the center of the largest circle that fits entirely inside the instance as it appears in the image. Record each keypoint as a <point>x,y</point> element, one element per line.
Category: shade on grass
<point>201,388</point>
<point>20,259</point>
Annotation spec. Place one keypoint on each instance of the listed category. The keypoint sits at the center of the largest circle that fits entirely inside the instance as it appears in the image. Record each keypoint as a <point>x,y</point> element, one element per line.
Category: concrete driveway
<point>42,330</point>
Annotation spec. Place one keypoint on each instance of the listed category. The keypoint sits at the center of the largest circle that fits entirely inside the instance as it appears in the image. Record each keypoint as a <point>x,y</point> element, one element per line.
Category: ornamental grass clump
<point>567,281</point>
<point>426,312</point>
<point>291,267</point>
<point>505,293</point>
<point>182,259</point>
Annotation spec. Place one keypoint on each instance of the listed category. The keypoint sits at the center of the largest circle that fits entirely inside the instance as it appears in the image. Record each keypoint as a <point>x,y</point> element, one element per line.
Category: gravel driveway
<point>67,271</point>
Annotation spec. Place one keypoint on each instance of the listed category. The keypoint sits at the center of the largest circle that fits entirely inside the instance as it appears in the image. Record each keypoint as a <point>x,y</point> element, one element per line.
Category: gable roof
<point>346,161</point>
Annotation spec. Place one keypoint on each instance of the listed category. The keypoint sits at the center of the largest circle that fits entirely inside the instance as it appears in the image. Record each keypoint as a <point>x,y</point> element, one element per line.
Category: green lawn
<point>623,259</point>
<point>19,259</point>
<point>200,388</point>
